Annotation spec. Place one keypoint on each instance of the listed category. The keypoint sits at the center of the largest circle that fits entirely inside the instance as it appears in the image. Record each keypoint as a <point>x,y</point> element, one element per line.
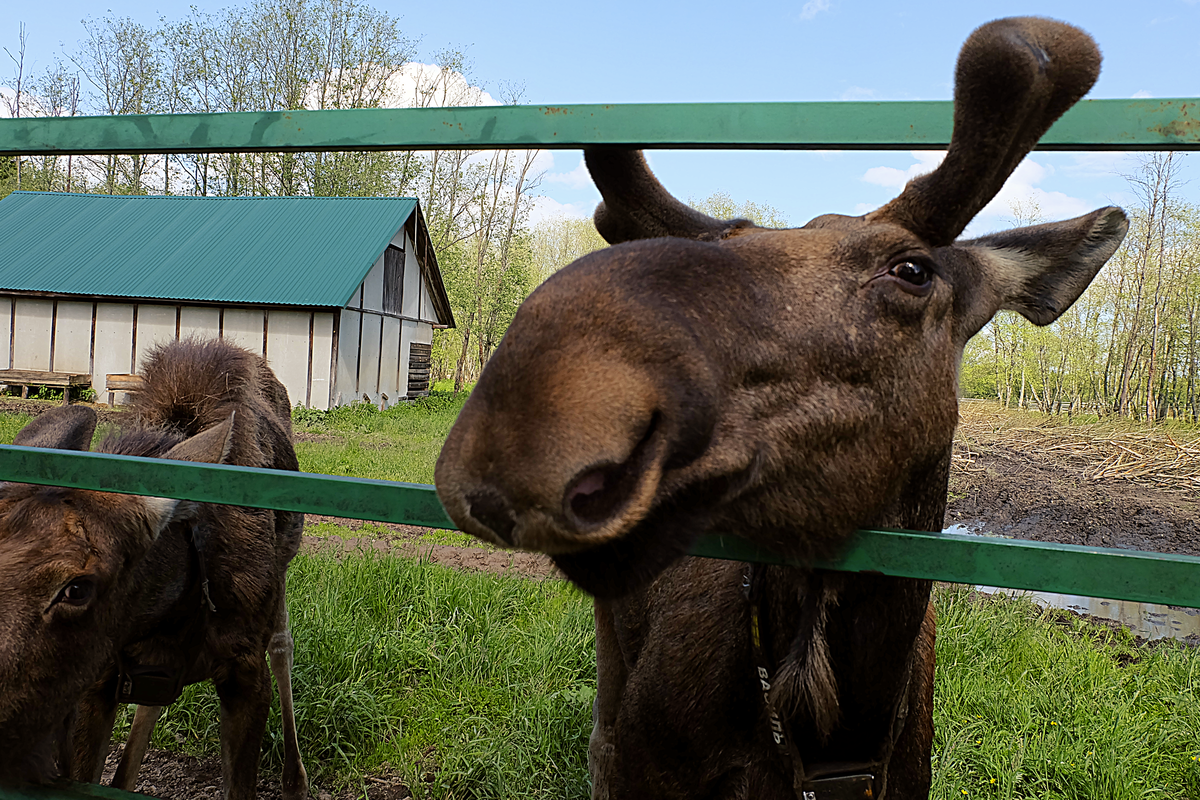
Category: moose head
<point>788,386</point>
<point>66,560</point>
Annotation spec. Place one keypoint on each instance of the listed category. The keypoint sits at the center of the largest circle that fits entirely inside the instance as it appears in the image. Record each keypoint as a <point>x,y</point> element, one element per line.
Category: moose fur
<point>787,386</point>
<point>90,580</point>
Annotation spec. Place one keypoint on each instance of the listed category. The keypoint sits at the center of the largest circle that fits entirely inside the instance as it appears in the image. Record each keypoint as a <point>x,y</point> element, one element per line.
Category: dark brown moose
<point>788,386</point>
<point>108,597</point>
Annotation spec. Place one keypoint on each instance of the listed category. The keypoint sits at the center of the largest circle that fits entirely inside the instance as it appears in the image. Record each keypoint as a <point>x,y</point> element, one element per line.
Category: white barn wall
<point>287,350</point>
<point>389,378</point>
<point>322,361</point>
<point>372,287</point>
<point>202,322</point>
<point>346,389</point>
<point>368,357</point>
<point>411,307</point>
<point>114,346</point>
<point>407,336</point>
<point>155,326</point>
<point>6,320</point>
<point>73,338</point>
<point>31,333</point>
<point>244,327</point>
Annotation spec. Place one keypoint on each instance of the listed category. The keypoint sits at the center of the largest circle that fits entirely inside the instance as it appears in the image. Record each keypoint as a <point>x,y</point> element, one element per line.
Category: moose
<point>787,386</point>
<point>109,598</point>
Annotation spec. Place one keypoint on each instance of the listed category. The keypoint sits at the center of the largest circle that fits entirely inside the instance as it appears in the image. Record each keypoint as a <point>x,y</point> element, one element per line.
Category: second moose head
<point>787,385</point>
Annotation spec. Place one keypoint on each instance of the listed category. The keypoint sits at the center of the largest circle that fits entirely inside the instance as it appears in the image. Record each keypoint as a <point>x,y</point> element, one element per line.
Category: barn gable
<point>340,294</point>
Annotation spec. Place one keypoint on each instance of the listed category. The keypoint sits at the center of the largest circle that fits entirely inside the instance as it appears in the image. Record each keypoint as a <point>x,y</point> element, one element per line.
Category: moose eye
<point>910,272</point>
<point>76,593</point>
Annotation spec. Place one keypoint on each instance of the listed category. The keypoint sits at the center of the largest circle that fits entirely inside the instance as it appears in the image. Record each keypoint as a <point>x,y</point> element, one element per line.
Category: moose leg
<point>91,733</point>
<point>295,779</point>
<point>610,688</point>
<point>245,695</point>
<point>144,719</point>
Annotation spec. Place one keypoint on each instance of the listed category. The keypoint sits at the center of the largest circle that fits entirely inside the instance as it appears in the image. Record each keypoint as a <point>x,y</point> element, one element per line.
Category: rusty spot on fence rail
<point>1184,127</point>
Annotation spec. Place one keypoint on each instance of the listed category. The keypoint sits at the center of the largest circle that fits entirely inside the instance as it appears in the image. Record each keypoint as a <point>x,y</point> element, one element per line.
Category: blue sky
<point>703,51</point>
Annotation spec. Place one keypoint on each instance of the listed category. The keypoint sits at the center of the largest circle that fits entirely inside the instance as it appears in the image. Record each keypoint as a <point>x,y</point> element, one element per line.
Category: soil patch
<point>175,776</point>
<point>406,540</point>
<point>1054,484</point>
<point>108,415</point>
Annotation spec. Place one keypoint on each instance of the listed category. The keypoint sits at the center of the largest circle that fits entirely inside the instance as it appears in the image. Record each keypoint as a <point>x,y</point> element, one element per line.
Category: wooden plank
<point>37,377</point>
<point>124,382</point>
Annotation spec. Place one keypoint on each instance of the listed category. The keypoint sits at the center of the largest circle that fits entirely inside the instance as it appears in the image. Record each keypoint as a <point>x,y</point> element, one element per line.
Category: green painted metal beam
<point>354,498</point>
<point>1011,563</point>
<point>1104,572</point>
<point>1151,124</point>
<point>66,790</point>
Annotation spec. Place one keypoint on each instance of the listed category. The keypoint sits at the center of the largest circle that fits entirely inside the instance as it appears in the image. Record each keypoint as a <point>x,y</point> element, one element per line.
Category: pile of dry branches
<point>1166,460</point>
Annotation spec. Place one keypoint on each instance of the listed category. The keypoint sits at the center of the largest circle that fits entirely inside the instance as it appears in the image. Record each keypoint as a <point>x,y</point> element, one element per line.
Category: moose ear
<point>63,428</point>
<point>210,447</point>
<point>636,205</point>
<point>1039,271</point>
<point>1014,78</point>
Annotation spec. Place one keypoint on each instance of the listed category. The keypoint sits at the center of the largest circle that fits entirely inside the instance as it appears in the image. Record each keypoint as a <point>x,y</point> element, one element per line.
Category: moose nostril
<point>493,511</point>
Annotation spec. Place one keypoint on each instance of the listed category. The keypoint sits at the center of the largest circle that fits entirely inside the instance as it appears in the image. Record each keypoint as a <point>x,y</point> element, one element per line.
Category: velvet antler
<point>1014,78</point>
<point>636,206</point>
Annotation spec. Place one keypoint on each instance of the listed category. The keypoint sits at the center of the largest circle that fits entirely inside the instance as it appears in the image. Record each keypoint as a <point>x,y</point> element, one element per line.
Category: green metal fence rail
<point>1011,563</point>
<point>1154,124</point>
<point>67,790</point>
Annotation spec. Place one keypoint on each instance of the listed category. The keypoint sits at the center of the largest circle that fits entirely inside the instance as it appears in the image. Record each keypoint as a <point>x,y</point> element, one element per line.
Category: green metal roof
<point>300,251</point>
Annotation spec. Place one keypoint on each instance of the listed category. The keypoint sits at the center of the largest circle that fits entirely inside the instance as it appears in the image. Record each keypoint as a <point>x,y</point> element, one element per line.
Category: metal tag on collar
<point>149,685</point>
<point>843,787</point>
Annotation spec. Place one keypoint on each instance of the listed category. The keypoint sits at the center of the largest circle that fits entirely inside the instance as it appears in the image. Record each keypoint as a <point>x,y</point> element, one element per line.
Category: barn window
<point>419,357</point>
<point>393,279</point>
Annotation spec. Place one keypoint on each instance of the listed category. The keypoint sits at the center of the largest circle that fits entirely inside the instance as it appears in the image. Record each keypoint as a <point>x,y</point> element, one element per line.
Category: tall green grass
<point>1042,704</point>
<point>399,444</point>
<point>478,686</point>
<point>467,685</point>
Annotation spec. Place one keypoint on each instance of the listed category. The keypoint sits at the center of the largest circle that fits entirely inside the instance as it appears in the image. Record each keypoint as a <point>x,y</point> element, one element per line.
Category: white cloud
<point>546,207</point>
<point>429,86</point>
<point>1100,164</point>
<point>812,8</point>
<point>1141,94</point>
<point>858,93</point>
<point>1022,186</point>
<point>578,178</point>
<point>894,178</point>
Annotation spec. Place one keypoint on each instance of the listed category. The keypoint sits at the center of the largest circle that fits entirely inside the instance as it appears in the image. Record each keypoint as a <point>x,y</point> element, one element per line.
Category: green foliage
<point>559,240</point>
<point>721,206</point>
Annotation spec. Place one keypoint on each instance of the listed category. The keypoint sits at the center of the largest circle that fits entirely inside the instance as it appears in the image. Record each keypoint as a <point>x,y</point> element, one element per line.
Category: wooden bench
<point>122,382</point>
<point>37,377</point>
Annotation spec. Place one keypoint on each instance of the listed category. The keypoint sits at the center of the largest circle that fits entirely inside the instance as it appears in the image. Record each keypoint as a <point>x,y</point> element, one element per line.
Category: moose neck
<point>839,664</point>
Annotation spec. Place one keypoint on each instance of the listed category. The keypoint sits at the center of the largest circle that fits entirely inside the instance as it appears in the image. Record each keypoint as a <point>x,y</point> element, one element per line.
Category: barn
<point>340,294</point>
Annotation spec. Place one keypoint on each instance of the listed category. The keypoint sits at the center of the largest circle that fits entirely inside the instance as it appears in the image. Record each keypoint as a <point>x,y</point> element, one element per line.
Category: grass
<point>399,444</point>
<point>478,686</point>
<point>1041,704</point>
<point>468,685</point>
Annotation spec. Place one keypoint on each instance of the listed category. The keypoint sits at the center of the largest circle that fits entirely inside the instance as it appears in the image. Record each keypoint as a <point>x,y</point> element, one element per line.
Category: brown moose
<point>787,386</point>
<point>107,597</point>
